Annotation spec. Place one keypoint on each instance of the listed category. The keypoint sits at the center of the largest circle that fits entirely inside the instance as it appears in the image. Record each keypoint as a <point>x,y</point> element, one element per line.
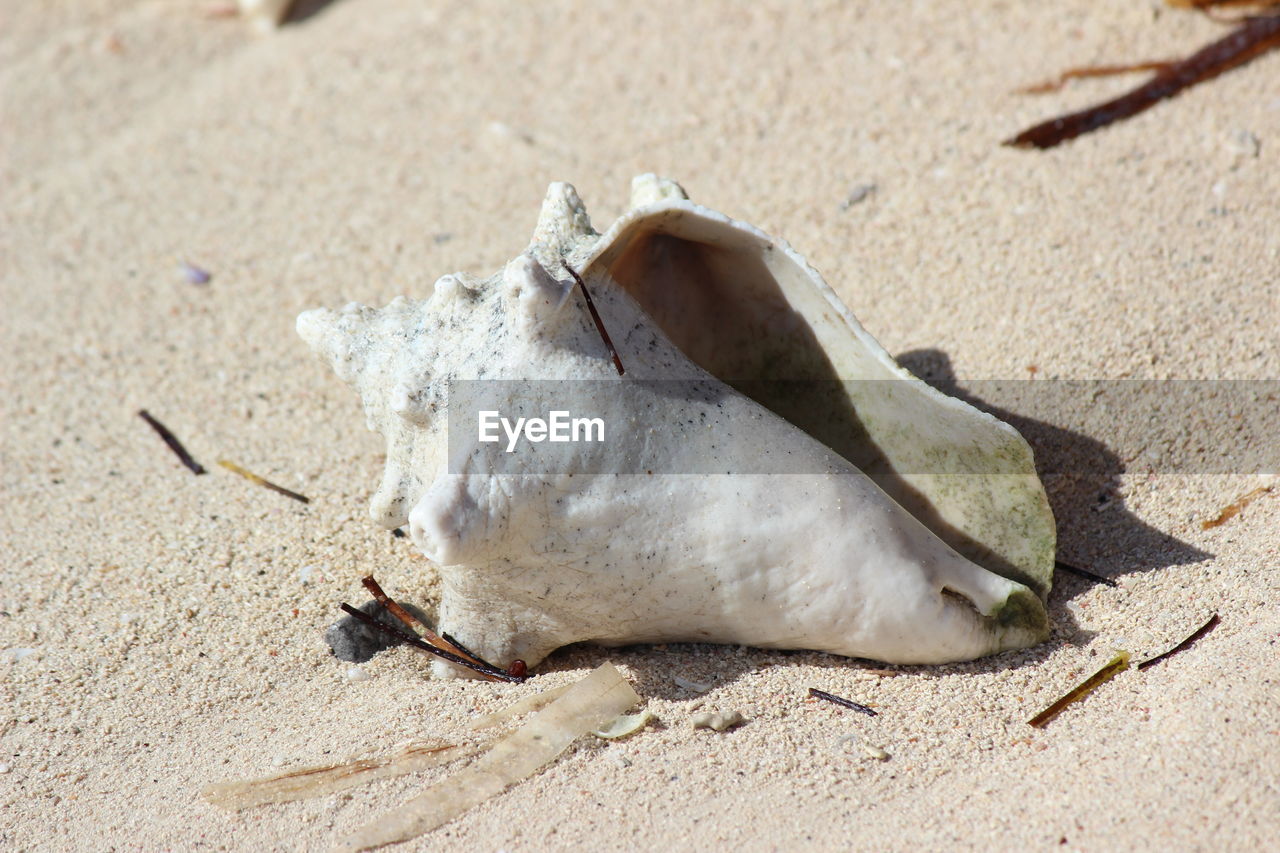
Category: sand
<point>363,151</point>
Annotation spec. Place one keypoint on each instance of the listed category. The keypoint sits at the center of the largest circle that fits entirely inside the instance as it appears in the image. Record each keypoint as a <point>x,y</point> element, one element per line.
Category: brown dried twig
<point>417,642</point>
<point>1254,36</point>
<point>1234,508</point>
<point>1088,71</point>
<point>413,623</point>
<point>442,647</point>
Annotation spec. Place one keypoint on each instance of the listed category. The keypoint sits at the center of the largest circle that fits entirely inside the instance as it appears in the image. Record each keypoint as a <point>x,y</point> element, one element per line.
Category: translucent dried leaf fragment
<point>519,708</point>
<point>586,705</point>
<point>317,781</point>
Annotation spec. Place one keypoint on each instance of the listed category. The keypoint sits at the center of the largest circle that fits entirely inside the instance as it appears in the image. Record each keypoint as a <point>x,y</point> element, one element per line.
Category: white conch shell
<point>819,559</point>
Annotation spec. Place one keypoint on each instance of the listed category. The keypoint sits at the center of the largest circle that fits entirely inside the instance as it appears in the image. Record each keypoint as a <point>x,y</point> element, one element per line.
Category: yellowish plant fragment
<point>1113,667</point>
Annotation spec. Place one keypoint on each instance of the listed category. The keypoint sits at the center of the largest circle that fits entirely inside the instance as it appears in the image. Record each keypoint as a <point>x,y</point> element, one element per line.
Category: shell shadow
<point>654,669</point>
<point>1081,475</point>
<point>301,10</point>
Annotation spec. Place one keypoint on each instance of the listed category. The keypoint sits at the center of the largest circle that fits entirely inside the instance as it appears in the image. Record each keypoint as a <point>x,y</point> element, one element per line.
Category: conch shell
<point>876,517</point>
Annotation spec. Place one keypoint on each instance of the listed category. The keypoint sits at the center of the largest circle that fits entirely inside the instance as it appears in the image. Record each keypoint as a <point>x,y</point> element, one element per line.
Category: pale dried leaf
<point>586,705</point>
<point>317,781</point>
<point>535,702</point>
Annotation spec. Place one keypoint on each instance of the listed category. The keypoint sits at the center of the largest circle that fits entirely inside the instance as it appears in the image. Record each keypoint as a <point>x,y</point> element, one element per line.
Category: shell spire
<point>649,189</point>
<point>330,334</point>
<point>563,226</point>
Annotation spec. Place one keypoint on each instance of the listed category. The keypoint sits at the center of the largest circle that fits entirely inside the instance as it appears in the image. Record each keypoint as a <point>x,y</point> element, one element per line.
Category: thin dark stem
<point>1074,570</point>
<point>595,315</point>
<point>517,667</point>
<point>172,440</point>
<point>418,643</point>
<point>1255,36</point>
<point>410,621</point>
<point>457,644</point>
<point>840,700</point>
<point>1195,635</point>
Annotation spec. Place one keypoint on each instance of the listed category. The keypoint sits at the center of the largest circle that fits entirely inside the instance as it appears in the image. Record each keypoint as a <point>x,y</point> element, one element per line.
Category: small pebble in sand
<point>193,274</point>
<point>857,195</point>
<point>16,654</point>
<point>355,642</point>
<point>691,686</point>
<point>1243,142</point>
<point>875,752</point>
<point>4,768</point>
<point>718,721</point>
<point>355,673</point>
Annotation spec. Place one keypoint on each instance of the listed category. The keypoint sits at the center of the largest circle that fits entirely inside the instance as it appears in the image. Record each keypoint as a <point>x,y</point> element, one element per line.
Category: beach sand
<point>359,153</point>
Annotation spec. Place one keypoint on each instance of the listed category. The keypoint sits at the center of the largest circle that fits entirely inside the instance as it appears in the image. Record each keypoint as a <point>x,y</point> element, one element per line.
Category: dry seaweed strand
<point>417,642</point>
<point>1192,638</point>
<point>586,705</point>
<point>413,623</point>
<point>172,440</point>
<point>841,701</point>
<point>595,316</point>
<point>445,642</point>
<point>1084,573</point>
<point>1110,670</point>
<point>1253,37</point>
<point>254,478</point>
<point>1086,71</point>
<point>517,666</point>
<point>1234,508</point>
<point>1209,4</point>
<point>318,781</point>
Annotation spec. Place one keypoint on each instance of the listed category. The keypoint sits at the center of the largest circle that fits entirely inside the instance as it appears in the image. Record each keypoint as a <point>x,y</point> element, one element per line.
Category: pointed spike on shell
<point>389,506</point>
<point>563,223</point>
<point>315,326</point>
<point>404,403</point>
<point>320,329</point>
<point>528,285</point>
<point>650,189</point>
<point>446,288</point>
